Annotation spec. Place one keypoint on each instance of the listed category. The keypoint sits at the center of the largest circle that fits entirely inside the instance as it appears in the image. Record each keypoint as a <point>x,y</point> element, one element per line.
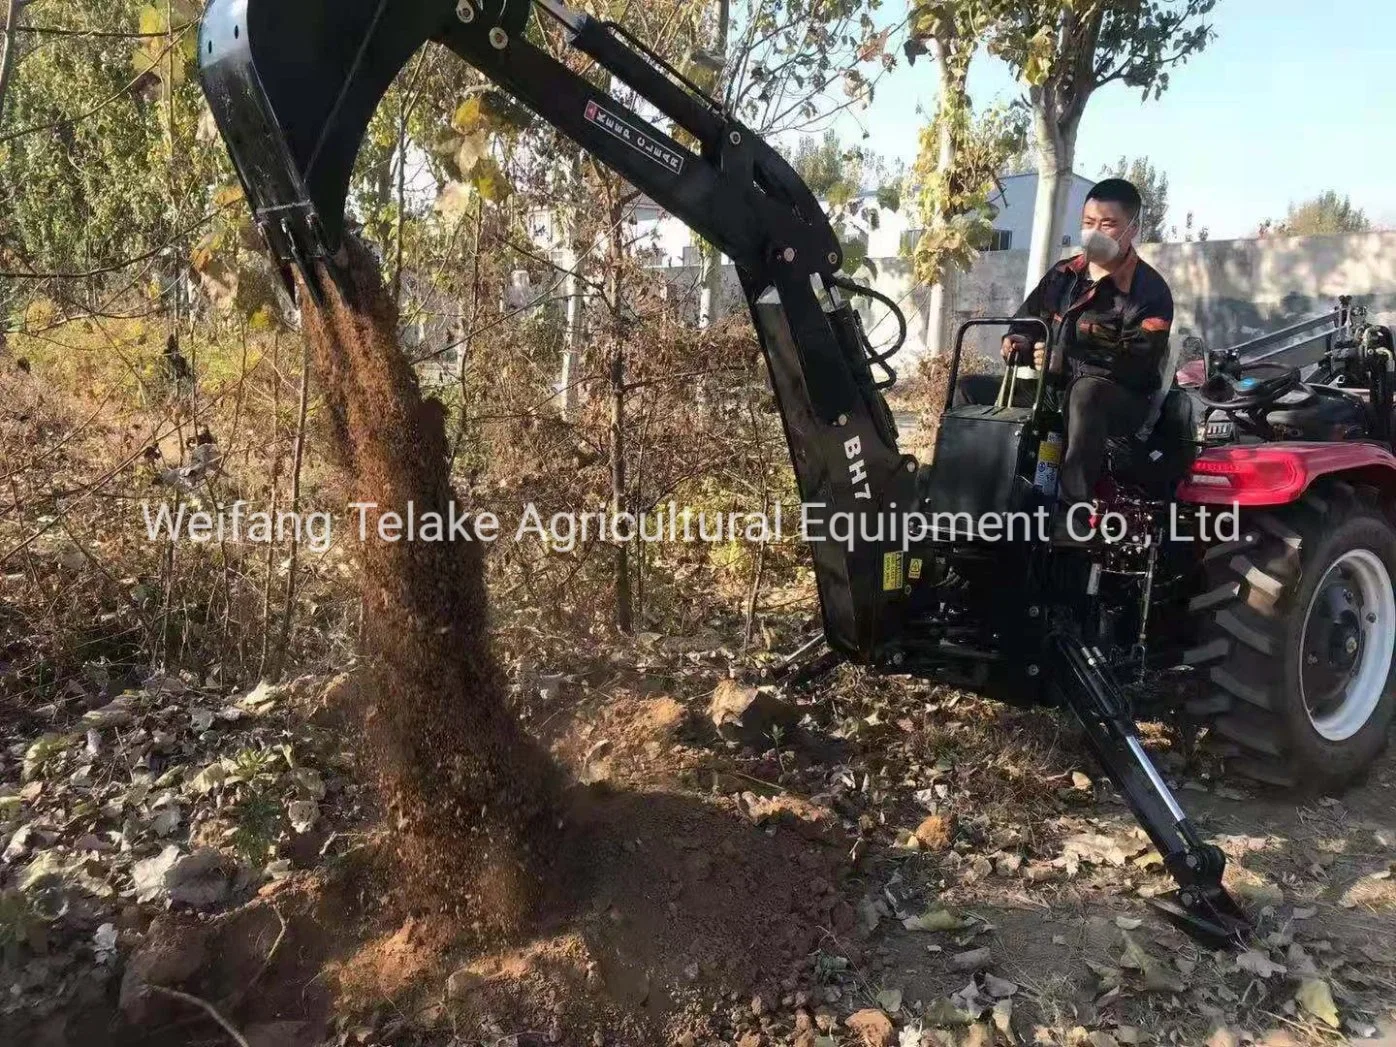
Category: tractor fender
<point>1279,473</point>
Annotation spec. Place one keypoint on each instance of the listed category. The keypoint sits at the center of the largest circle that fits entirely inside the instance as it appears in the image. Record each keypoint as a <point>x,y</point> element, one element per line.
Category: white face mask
<point>1100,247</point>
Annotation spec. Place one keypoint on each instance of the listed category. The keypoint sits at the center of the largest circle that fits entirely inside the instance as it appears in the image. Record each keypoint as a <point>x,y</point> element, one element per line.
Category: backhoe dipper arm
<point>293,85</point>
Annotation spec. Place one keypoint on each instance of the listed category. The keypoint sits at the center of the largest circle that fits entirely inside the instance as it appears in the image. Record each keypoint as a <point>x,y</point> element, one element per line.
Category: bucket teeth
<point>292,85</point>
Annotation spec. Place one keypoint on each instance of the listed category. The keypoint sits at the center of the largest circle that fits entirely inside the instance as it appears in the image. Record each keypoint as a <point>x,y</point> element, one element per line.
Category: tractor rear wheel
<point>1298,633</point>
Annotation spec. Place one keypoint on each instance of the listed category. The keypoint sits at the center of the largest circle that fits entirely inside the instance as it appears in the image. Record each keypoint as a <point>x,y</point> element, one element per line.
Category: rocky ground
<point>891,864</point>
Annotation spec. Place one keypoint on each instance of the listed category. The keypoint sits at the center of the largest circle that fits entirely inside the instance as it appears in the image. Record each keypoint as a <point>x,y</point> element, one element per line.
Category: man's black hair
<point>1118,191</point>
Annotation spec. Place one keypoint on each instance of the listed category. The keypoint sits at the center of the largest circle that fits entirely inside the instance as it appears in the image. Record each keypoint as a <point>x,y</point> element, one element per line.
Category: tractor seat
<point>1157,459</point>
<point>1158,456</point>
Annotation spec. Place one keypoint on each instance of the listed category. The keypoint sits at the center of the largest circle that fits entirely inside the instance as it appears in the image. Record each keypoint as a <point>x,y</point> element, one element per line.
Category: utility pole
<point>14,8</point>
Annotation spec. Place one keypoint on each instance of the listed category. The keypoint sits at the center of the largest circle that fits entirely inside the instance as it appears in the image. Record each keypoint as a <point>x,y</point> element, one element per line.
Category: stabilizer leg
<point>1201,906</point>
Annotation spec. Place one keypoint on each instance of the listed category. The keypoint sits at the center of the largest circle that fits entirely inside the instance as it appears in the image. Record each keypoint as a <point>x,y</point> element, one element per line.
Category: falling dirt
<point>467,792</point>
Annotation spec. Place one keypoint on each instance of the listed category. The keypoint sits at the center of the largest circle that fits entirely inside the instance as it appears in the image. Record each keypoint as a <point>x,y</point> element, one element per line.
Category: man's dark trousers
<point>1096,410</point>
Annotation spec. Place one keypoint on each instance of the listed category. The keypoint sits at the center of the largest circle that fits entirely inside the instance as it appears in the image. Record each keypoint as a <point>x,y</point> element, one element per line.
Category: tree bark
<point>711,278</point>
<point>14,8</point>
<point>952,87</point>
<point>1056,153</point>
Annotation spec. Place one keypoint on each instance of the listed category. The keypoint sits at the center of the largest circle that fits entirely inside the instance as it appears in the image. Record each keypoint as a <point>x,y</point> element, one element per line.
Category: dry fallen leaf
<point>1257,962</point>
<point>934,920</point>
<point>1316,997</point>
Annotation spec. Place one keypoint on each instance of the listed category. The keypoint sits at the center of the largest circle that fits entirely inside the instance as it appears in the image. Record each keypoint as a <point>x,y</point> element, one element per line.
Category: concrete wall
<point>1224,291</point>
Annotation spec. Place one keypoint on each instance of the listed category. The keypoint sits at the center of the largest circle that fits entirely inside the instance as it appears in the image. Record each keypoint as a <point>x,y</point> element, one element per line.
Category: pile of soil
<point>469,794</point>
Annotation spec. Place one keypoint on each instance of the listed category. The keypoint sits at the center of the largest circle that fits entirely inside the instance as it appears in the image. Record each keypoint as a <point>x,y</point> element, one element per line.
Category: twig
<point>266,963</point>
<point>211,1010</point>
<point>95,34</point>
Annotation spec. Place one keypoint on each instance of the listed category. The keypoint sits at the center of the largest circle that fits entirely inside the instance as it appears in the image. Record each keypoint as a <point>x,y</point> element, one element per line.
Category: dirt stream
<point>470,795</point>
<point>502,894</point>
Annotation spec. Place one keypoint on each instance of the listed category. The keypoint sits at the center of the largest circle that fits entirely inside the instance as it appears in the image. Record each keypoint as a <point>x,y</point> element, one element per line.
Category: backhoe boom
<point>293,85</point>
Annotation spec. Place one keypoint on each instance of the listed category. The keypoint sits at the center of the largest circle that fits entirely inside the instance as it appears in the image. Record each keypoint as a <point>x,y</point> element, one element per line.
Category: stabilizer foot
<point>1210,916</point>
<point>1201,907</point>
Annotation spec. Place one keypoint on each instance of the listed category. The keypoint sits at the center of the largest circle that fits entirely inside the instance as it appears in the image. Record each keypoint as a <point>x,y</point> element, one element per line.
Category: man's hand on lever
<point>1039,358</point>
<point>1015,351</point>
<point>1015,348</point>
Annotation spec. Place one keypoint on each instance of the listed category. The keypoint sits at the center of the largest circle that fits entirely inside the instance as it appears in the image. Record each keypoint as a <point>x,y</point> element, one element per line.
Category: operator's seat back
<point>979,467</point>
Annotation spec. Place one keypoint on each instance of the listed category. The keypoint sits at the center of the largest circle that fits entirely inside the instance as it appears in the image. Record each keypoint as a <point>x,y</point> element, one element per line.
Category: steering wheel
<point>1249,387</point>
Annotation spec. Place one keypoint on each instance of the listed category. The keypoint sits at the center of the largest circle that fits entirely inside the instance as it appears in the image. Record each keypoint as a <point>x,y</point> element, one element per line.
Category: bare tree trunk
<point>575,306</point>
<point>288,613</point>
<point>14,8</point>
<point>952,90</point>
<point>1057,108</point>
<point>711,295</point>
<point>624,597</point>
<point>620,499</point>
<point>1056,153</point>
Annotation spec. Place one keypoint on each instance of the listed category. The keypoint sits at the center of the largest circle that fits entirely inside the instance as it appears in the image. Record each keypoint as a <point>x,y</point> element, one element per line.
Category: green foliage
<point>954,204</point>
<point>104,163</point>
<point>1085,44</point>
<point>1327,214</point>
<point>1153,187</point>
<point>832,172</point>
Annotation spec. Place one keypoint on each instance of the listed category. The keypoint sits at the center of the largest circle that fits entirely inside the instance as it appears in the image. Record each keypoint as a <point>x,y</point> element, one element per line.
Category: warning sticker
<point>665,157</point>
<point>913,570</point>
<point>891,572</point>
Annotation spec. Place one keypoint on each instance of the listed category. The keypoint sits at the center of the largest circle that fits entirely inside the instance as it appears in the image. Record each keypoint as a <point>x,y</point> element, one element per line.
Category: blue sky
<point>1292,98</point>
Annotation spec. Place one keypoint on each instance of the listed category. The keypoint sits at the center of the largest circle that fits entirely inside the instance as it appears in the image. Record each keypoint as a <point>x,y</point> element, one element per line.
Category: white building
<point>896,231</point>
<point>666,243</point>
<point>1015,202</point>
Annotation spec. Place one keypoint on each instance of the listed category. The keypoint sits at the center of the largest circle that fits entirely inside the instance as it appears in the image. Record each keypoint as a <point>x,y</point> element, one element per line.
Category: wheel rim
<point>1345,651</point>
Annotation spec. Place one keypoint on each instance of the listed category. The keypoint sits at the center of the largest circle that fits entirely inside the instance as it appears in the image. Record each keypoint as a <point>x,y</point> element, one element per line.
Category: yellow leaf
<point>1317,998</point>
<point>228,195</point>
<point>470,115</point>
<point>490,181</point>
<point>151,19</point>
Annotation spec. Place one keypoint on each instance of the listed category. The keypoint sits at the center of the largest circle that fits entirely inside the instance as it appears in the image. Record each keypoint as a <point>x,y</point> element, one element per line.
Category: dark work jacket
<point>1117,328</point>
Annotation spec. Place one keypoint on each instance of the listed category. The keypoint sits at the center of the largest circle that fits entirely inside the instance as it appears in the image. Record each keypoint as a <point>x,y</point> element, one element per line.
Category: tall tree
<point>1067,50</point>
<point>711,277</point>
<point>1327,214</point>
<point>1153,187</point>
<point>959,158</point>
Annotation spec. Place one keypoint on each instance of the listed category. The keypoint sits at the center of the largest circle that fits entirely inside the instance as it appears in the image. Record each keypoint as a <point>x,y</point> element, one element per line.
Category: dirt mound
<point>468,792</point>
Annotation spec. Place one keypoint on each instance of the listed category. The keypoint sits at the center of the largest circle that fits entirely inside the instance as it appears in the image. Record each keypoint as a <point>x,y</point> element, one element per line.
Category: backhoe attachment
<point>293,85</point>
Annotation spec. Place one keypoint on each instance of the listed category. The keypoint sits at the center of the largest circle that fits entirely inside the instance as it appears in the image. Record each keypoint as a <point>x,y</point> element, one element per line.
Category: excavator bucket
<point>293,85</point>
